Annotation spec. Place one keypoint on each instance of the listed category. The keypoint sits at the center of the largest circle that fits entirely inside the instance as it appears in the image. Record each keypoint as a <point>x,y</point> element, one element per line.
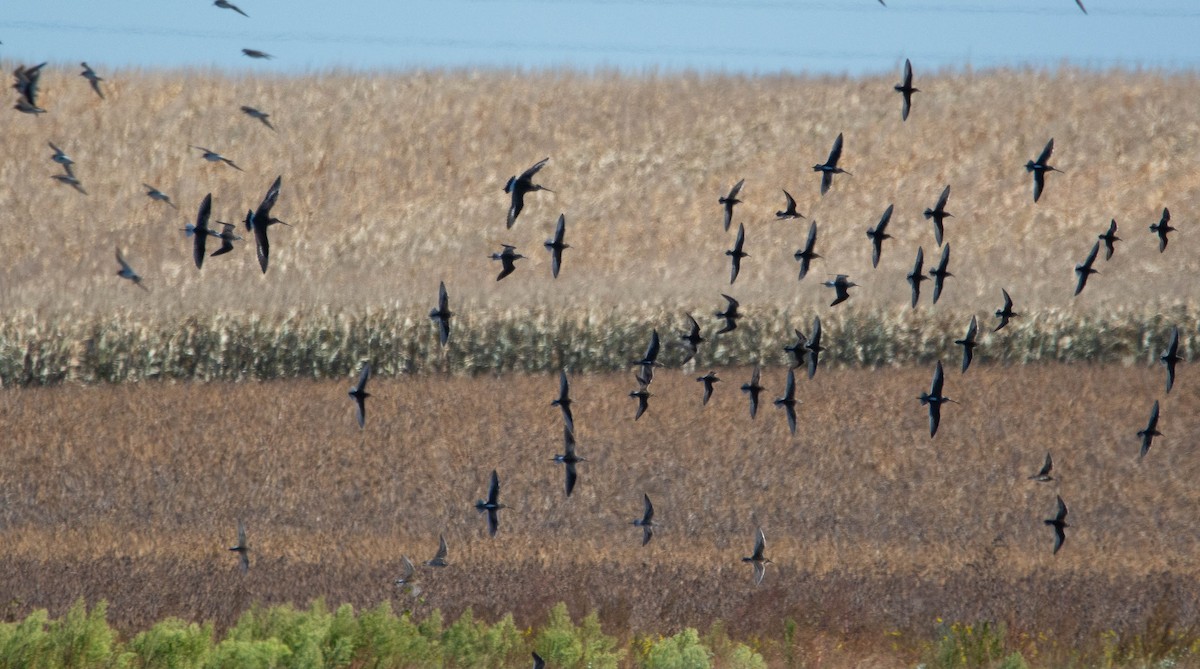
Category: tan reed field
<point>131,493</point>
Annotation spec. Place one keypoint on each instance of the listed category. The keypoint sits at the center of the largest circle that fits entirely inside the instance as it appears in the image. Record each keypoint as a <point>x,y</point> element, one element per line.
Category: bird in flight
<point>405,577</point>
<point>260,219</point>
<point>789,401</point>
<point>906,89</point>
<point>806,255</point>
<point>1006,312</point>
<point>226,236</point>
<point>255,53</point>
<point>556,245</point>
<point>757,559</point>
<point>830,166</point>
<point>730,314</point>
<point>1059,523</point>
<point>968,344</point>
<point>563,401</point>
<point>491,506</point>
<point>155,194</point>
<point>223,4</point>
<point>1039,168</point>
<point>359,394</point>
<point>1110,238</point>
<point>841,284</point>
<point>242,547</point>
<point>877,234</point>
<point>708,380</point>
<point>646,522</point>
<point>439,559</point>
<point>789,210</point>
<point>798,349</point>
<point>642,394</point>
<point>814,347</point>
<point>736,254</point>
<point>518,186</point>
<point>729,201</point>
<point>569,459</point>
<point>1149,432</point>
<point>1162,228</point>
<point>260,115</point>
<point>69,179</point>
<point>1043,474</point>
<point>442,314</point>
<point>916,276</point>
<point>508,259</point>
<point>1081,7</point>
<point>27,88</point>
<point>934,399</point>
<point>753,389</point>
<point>1170,357</point>
<point>939,214</point>
<point>93,78</point>
<point>691,339</point>
<point>126,272</point>
<point>1084,269</point>
<point>61,157</point>
<point>940,273</point>
<point>199,231</point>
<point>213,157</point>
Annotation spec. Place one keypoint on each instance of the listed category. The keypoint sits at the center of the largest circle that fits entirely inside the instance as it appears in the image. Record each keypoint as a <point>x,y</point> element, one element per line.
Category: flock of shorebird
<point>805,350</point>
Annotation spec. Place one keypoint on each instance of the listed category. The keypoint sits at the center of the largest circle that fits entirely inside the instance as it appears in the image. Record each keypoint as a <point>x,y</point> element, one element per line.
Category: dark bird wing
<point>916,276</point>
<point>652,350</point>
<point>1044,157</point>
<point>942,199</point>
<point>538,662</point>
<point>1046,467</point>
<point>516,205</point>
<point>1081,7</point>
<point>262,246</point>
<point>201,236</point>
<point>571,477</point>
<point>556,252</point>
<point>362,378</point>
<point>441,552</point>
<point>262,215</point>
<point>648,514</point>
<point>968,343</point>
<point>809,243</point>
<point>528,174</point>
<point>444,313</point>
<point>939,276</point>
<point>939,378</point>
<point>1170,357</point>
<point>760,545</point>
<point>835,154</point>
<point>494,489</point>
<point>1039,182</point>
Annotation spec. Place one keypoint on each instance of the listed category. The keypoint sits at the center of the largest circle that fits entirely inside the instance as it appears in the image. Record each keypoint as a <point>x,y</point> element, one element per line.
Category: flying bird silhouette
<point>1043,474</point>
<point>1162,228</point>
<point>753,389</point>
<point>939,214</point>
<point>61,157</point>
<point>199,231</point>
<point>563,401</point>
<point>1081,8</point>
<point>934,399</point>
<point>789,210</point>
<point>646,522</point>
<point>556,245</point>
<point>126,272</point>
<point>69,179</point>
<point>262,116</point>
<point>93,79</point>
<point>968,344</point>
<point>1110,238</point>
<point>798,349</point>
<point>757,559</point>
<point>830,166</point>
<point>439,559</point>
<point>407,574</point>
<point>1059,523</point>
<point>806,255</point>
<point>359,394</point>
<point>877,234</point>
<point>1149,432</point>
<point>906,89</point>
<point>1084,269</point>
<point>650,357</point>
<point>223,4</point>
<point>841,285</point>
<point>508,259</point>
<point>730,314</point>
<point>1039,168</point>
<point>1006,312</point>
<point>1170,357</point>
<point>643,397</point>
<point>729,201</point>
<point>916,276</point>
<point>814,347</point>
<point>519,186</point>
<point>242,547</point>
<point>789,401</point>
<point>708,380</point>
<point>255,53</point>
<point>736,254</point>
<point>155,194</point>
<point>569,459</point>
<point>226,236</point>
<point>214,157</point>
<point>442,314</point>
<point>691,339</point>
<point>27,88</point>
<point>491,506</point>
<point>260,219</point>
<point>940,273</point>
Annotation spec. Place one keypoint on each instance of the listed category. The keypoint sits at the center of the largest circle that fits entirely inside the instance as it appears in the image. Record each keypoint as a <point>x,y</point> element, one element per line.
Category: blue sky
<point>741,36</point>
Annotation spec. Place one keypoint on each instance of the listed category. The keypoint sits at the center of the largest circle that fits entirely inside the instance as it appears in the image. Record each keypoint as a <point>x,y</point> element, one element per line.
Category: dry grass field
<point>392,182</point>
<point>131,493</point>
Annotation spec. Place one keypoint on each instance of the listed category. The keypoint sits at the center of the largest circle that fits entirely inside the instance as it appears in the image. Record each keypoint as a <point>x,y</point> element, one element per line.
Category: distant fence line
<point>322,344</point>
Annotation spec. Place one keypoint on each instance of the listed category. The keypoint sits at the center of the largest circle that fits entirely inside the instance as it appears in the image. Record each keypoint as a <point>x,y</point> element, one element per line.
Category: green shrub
<point>961,645</point>
<point>563,644</point>
<point>241,654</point>
<point>682,651</point>
<point>472,643</point>
<point>173,644</point>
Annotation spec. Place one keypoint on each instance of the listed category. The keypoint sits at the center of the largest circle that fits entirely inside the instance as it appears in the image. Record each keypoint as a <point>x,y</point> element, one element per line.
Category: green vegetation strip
<point>323,344</point>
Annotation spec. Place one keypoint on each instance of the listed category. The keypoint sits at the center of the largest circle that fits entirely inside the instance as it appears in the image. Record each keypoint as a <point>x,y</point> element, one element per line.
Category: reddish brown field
<point>132,493</point>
